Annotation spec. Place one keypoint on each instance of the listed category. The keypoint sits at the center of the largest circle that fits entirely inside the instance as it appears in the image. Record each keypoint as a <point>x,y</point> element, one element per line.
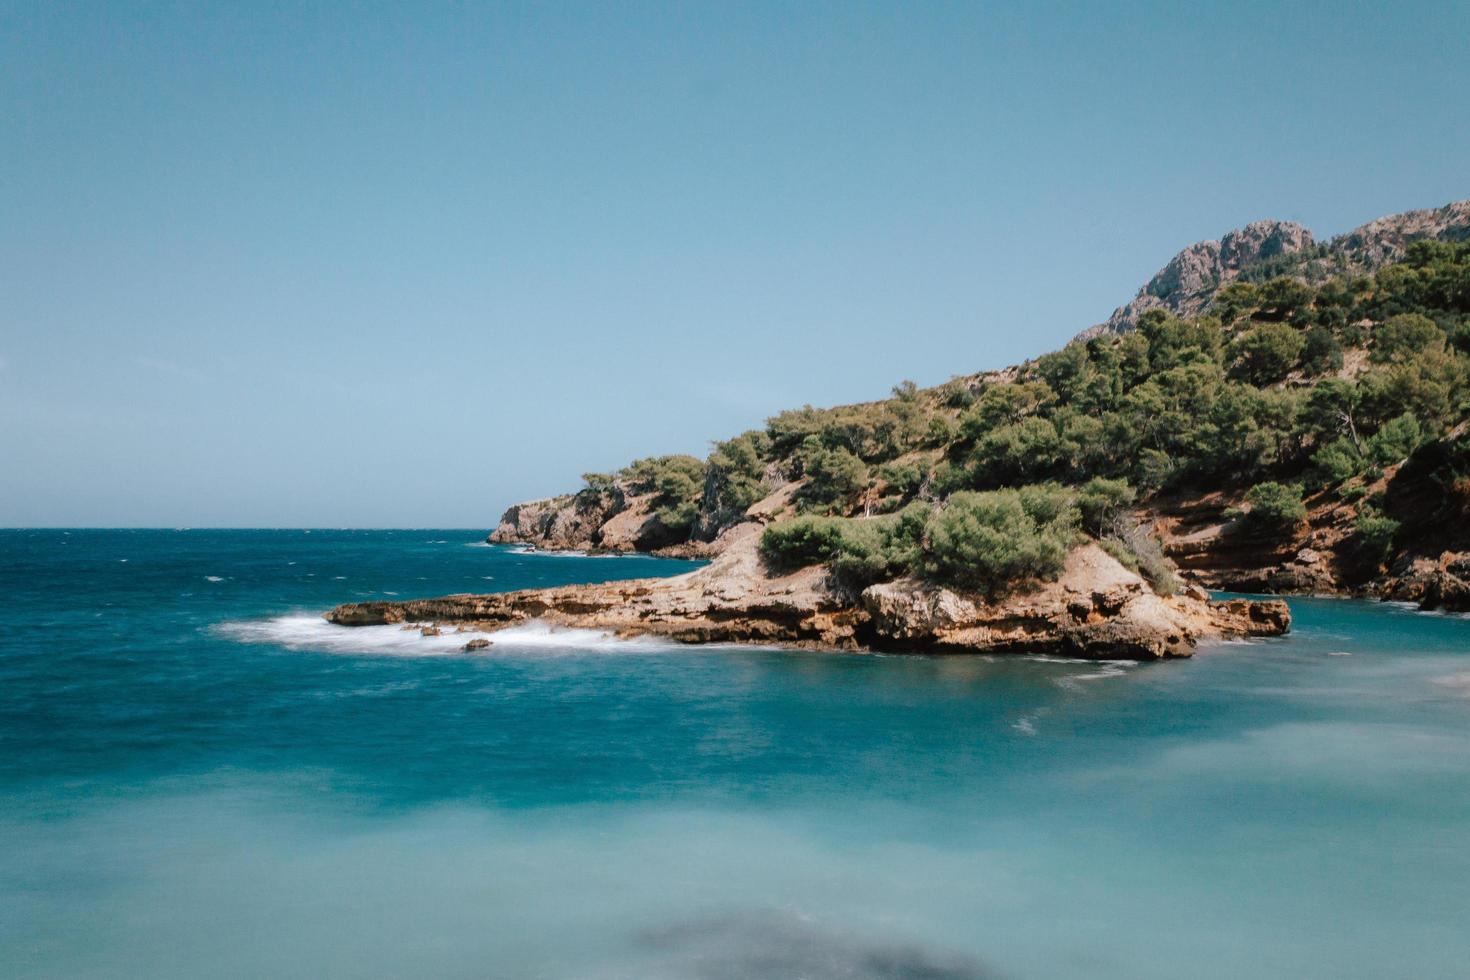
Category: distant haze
<point>279,265</point>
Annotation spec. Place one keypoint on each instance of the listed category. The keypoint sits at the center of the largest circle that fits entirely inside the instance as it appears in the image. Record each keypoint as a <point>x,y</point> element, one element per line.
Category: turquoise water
<point>198,777</point>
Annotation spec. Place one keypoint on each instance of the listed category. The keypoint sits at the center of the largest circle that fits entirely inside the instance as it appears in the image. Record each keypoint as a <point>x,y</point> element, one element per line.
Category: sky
<point>403,265</point>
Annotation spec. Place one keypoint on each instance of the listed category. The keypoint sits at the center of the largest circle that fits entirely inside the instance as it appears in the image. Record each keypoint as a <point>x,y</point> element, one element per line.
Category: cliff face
<point>618,521</point>
<point>1204,536</point>
<point>1186,285</point>
<point>1097,609</point>
<point>614,520</point>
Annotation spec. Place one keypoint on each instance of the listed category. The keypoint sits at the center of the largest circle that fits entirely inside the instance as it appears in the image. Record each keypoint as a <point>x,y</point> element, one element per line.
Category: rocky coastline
<point>1097,609</point>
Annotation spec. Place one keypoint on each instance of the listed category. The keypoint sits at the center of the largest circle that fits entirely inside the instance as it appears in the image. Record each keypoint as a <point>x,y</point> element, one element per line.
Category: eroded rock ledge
<point>1097,609</point>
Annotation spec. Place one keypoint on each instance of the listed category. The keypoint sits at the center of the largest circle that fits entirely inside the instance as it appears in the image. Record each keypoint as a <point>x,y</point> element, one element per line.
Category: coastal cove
<point>201,776</point>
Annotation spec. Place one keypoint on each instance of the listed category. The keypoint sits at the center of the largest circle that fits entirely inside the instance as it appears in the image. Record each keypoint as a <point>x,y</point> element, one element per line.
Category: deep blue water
<point>199,777</point>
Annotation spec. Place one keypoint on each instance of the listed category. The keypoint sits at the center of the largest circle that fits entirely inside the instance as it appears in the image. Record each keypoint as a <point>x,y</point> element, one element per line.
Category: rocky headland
<point>1096,609</point>
<point>1270,414</point>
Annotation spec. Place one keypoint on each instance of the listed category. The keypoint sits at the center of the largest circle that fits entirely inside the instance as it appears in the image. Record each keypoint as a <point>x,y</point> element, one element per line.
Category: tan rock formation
<point>1097,609</point>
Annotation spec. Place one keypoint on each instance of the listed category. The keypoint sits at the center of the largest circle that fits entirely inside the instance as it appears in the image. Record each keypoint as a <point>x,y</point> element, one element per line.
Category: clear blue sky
<point>358,264</point>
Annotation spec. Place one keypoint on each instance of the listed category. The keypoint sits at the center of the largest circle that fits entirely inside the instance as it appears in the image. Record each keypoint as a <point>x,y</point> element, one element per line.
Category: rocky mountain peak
<point>1384,240</point>
<point>1187,284</point>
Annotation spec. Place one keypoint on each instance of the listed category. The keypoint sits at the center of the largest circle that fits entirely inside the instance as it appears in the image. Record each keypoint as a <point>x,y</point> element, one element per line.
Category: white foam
<point>314,633</point>
<point>213,578</point>
<point>1044,658</point>
<point>1108,670</point>
<point>538,635</point>
<point>525,549</point>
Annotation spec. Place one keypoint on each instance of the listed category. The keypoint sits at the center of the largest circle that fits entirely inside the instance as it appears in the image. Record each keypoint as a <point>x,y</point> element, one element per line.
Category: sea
<point>200,777</point>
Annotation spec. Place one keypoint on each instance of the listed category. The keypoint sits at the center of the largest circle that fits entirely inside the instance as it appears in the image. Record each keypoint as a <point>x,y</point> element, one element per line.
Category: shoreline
<point>1096,610</point>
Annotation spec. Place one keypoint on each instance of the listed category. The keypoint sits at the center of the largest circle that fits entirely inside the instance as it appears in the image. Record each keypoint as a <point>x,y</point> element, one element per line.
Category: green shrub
<point>677,483</point>
<point>597,483</point>
<point>1404,336</point>
<point>1335,462</point>
<point>1395,440</point>
<point>956,394</point>
<point>1275,505</point>
<point>1459,335</point>
<point>1102,502</point>
<point>880,548</point>
<point>1375,534</point>
<point>1172,341</point>
<point>1050,503</point>
<point>802,541</point>
<point>1120,551</point>
<point>834,478</point>
<point>1321,353</point>
<point>948,476</point>
<point>859,551</point>
<point>940,431</point>
<point>1266,353</point>
<point>1154,469</point>
<point>736,474</point>
<point>903,478</point>
<point>987,541</point>
<point>1281,298</point>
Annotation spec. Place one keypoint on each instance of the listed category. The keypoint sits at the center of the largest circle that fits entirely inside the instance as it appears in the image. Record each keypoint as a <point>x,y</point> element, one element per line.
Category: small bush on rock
<point>987,541</point>
<point>1275,505</point>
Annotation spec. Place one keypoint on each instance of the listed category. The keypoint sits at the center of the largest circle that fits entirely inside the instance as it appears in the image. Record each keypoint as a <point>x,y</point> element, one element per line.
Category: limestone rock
<point>1190,279</point>
<point>1096,609</point>
<point>1442,583</point>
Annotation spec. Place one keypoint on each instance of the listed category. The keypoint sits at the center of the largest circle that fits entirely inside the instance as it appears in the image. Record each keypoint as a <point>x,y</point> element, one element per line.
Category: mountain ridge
<point>1191,279</point>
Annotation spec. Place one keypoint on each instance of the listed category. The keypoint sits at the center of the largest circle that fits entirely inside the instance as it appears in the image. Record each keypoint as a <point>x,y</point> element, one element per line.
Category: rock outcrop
<point>1189,281</point>
<point>609,520</point>
<point>616,520</point>
<point>1433,583</point>
<point>1097,609</point>
<point>1384,240</point>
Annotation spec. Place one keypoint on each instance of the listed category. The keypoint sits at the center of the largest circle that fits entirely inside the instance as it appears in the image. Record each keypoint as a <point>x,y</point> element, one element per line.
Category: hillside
<point>1270,414</point>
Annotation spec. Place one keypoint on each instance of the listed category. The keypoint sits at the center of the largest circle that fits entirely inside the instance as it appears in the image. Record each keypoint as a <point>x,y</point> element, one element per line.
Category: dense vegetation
<point>1284,388</point>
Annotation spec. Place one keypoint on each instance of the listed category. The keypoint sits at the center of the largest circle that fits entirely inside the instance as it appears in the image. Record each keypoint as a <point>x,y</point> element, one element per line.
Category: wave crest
<point>305,632</point>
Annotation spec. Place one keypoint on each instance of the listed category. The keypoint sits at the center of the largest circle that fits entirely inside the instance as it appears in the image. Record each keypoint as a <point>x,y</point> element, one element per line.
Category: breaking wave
<point>305,632</point>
